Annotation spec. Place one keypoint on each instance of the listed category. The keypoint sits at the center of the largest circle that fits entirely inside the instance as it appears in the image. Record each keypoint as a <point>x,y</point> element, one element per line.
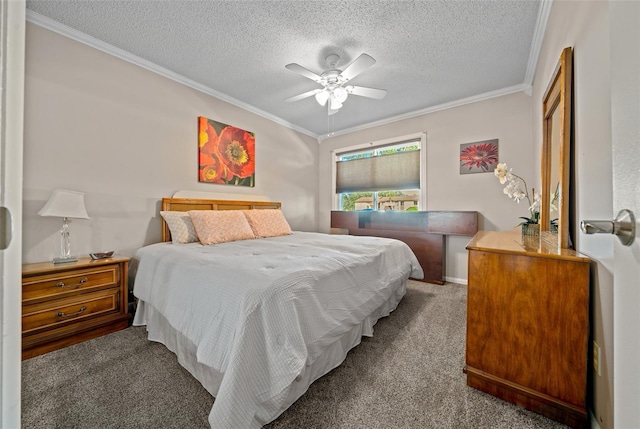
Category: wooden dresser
<point>528,323</point>
<point>69,303</point>
<point>423,231</point>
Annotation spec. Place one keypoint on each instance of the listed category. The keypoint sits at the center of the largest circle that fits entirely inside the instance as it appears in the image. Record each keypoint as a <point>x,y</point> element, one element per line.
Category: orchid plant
<point>517,190</point>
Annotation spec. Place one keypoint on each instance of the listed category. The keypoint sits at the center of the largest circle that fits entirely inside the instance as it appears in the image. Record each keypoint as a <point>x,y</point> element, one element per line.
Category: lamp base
<point>67,260</point>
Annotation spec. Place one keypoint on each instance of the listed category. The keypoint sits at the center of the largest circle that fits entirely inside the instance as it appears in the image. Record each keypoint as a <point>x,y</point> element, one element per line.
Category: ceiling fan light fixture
<point>340,94</point>
<point>335,90</point>
<point>334,103</point>
<point>322,97</point>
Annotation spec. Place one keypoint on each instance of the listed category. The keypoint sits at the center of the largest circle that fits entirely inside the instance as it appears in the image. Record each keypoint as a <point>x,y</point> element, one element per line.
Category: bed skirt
<point>333,355</point>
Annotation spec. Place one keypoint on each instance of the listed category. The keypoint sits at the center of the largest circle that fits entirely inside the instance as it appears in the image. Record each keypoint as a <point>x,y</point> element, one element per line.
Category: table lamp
<point>65,204</point>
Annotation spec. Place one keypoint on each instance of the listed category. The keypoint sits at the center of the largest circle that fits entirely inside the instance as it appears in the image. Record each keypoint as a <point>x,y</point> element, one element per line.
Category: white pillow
<point>181,226</point>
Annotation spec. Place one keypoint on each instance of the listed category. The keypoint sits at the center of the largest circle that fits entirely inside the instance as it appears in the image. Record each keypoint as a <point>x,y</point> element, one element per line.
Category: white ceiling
<point>429,54</point>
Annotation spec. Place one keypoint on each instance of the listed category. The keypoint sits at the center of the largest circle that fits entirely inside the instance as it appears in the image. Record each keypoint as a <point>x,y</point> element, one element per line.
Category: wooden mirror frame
<point>557,98</point>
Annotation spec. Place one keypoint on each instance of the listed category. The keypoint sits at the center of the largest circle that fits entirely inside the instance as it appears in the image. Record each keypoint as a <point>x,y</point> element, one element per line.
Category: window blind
<point>395,171</point>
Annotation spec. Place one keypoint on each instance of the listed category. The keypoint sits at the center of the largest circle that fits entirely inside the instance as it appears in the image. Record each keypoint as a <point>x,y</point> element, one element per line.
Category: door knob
<point>624,226</point>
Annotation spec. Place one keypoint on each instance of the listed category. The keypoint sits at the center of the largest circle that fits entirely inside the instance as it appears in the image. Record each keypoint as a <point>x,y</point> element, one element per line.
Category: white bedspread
<point>260,310</point>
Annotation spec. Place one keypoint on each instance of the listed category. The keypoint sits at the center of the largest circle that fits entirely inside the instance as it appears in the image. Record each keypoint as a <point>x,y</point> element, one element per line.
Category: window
<point>381,176</point>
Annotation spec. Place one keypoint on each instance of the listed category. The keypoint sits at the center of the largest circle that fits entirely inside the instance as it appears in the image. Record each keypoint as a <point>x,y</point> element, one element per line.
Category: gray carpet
<point>409,375</point>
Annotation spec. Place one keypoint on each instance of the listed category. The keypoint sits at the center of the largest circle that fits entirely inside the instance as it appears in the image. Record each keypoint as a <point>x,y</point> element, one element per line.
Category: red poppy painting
<point>479,157</point>
<point>226,154</point>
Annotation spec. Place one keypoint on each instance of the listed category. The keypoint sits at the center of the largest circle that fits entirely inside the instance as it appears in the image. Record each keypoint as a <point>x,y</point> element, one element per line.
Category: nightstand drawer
<point>51,314</point>
<point>39,288</point>
<point>69,303</point>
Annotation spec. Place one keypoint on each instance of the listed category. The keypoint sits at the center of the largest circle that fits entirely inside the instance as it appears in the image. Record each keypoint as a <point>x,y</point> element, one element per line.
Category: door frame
<point>12,49</point>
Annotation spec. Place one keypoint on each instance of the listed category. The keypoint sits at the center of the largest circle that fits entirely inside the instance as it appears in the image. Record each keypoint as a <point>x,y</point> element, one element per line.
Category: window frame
<point>422,137</point>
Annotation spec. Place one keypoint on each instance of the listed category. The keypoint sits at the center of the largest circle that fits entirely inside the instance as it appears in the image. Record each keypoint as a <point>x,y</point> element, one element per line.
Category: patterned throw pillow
<point>219,226</point>
<point>267,222</point>
<point>181,227</point>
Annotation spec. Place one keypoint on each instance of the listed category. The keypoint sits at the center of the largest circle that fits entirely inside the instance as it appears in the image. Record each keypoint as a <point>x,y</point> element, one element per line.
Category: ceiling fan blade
<point>332,111</point>
<point>304,95</point>
<point>362,91</point>
<point>360,64</point>
<point>304,72</point>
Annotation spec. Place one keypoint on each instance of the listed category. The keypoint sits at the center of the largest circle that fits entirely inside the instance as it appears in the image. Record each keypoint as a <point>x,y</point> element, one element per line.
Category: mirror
<point>556,151</point>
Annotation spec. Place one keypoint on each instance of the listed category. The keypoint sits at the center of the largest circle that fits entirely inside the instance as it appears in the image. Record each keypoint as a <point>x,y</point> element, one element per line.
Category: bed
<point>256,321</point>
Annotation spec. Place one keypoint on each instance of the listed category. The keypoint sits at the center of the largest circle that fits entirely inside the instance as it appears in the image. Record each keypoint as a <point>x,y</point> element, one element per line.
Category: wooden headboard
<point>186,204</point>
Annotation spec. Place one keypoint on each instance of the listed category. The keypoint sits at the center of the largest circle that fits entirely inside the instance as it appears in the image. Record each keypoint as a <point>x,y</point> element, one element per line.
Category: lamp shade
<point>322,97</point>
<point>340,94</point>
<point>63,203</point>
<point>334,103</point>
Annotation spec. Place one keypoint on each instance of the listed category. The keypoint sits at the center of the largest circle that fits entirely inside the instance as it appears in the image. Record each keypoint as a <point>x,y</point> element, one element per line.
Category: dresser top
<point>513,242</point>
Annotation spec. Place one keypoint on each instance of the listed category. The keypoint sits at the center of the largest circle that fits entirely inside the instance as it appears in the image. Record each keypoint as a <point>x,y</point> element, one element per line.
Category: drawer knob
<point>77,313</point>
<point>64,286</point>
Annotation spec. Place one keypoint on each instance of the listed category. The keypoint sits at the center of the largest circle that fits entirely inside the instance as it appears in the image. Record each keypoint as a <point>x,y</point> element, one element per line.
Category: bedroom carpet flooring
<point>409,375</point>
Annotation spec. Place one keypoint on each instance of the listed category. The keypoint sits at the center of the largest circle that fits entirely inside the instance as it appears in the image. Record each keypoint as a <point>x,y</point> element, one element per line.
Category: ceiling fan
<point>335,91</point>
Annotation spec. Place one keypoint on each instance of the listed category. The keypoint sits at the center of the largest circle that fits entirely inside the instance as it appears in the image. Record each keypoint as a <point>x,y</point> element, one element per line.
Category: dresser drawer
<point>71,310</point>
<point>46,286</point>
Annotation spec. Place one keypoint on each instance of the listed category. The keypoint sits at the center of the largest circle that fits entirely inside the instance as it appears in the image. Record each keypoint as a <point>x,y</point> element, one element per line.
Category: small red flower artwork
<point>479,157</point>
<point>226,154</point>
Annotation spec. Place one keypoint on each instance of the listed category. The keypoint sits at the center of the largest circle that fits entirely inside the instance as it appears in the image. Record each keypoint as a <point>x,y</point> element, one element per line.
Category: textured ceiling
<point>428,53</point>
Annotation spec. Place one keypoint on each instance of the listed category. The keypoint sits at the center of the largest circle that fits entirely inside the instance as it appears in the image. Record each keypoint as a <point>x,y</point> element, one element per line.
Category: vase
<point>530,229</point>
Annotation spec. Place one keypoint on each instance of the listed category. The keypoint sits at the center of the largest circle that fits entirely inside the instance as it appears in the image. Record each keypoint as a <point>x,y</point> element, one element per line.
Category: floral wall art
<point>226,154</point>
<point>479,157</point>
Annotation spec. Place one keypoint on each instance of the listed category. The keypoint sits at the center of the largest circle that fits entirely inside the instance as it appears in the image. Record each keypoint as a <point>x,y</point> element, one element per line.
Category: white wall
<point>127,137</point>
<point>507,118</point>
<point>585,26</point>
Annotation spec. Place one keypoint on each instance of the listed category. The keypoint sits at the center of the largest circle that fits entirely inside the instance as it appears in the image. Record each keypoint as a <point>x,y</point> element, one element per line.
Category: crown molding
<point>78,36</point>
<point>457,103</point>
<point>536,44</point>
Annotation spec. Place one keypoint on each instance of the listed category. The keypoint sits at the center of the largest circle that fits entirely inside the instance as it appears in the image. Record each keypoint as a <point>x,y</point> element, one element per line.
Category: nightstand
<point>70,303</point>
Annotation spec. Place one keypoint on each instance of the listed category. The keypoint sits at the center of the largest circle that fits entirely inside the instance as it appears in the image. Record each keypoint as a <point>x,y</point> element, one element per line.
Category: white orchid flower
<point>517,190</point>
<point>518,195</point>
<point>511,189</point>
<point>535,207</point>
<point>502,172</point>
